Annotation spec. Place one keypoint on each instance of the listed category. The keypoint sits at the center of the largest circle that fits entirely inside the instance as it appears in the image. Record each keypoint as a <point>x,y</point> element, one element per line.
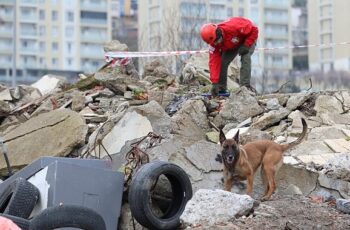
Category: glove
<point>242,50</point>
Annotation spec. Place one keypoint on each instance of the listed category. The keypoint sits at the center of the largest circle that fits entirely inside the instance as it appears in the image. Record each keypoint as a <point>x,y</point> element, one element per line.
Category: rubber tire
<point>19,198</point>
<point>20,222</point>
<point>68,216</point>
<point>140,194</point>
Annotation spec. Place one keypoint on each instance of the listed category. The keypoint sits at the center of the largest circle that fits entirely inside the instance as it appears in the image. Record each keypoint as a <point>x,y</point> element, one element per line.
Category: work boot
<point>215,90</point>
<point>251,89</point>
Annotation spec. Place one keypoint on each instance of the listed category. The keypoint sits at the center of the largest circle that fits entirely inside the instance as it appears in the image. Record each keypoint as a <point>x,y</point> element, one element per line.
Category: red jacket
<point>236,31</point>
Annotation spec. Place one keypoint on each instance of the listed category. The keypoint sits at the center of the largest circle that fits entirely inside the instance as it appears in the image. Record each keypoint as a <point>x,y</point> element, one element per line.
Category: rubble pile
<point>101,115</point>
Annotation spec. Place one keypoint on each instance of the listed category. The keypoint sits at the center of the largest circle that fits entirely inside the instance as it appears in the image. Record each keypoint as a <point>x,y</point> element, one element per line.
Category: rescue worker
<point>234,36</point>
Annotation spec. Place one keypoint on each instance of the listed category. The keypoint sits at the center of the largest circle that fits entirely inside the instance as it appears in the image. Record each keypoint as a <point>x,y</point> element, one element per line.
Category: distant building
<point>57,36</point>
<point>174,25</point>
<point>300,35</point>
<point>124,23</point>
<point>328,23</point>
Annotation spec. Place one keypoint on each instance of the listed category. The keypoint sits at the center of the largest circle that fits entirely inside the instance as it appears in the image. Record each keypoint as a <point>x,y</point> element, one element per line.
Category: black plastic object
<point>71,181</point>
<point>68,216</point>
<point>140,195</point>
<point>19,198</point>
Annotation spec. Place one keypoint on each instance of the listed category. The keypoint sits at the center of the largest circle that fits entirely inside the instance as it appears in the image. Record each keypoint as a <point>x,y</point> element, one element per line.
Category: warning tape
<point>123,54</point>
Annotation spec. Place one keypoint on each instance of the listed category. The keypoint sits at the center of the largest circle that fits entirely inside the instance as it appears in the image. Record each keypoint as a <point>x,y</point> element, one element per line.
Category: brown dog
<point>241,162</point>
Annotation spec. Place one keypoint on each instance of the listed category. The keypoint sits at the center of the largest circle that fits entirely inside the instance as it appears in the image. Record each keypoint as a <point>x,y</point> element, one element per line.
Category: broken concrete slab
<point>310,148</point>
<point>239,107</point>
<point>159,119</point>
<point>270,118</point>
<point>338,145</point>
<point>343,187</point>
<point>56,133</point>
<point>202,155</point>
<point>210,207</point>
<point>5,109</point>
<point>48,84</point>
<point>297,100</point>
<point>131,126</point>
<point>318,159</point>
<point>5,95</point>
<point>327,132</point>
<point>327,104</point>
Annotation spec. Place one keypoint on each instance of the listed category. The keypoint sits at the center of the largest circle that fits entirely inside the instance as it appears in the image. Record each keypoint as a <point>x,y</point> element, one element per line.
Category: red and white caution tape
<point>125,55</point>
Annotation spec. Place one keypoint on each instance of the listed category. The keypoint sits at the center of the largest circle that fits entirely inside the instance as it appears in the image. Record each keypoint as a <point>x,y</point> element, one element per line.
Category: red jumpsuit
<point>236,31</point>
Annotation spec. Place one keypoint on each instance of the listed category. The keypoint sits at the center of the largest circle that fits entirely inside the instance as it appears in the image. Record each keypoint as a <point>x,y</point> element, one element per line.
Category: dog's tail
<point>300,138</point>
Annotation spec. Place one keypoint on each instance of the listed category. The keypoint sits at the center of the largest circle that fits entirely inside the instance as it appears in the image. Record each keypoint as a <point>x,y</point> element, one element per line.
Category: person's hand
<point>242,50</point>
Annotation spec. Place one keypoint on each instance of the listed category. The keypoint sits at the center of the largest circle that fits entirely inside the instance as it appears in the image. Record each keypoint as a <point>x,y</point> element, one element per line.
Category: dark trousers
<point>246,66</point>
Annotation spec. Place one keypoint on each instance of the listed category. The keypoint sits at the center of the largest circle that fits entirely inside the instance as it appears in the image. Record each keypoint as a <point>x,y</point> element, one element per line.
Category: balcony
<point>91,6</point>
<point>93,22</point>
<point>276,34</point>
<point>29,2</point>
<point>92,53</point>
<point>28,33</point>
<point>276,20</point>
<point>29,50</point>
<point>6,49</point>
<point>28,64</point>
<point>29,18</point>
<point>6,32</point>
<point>6,16</point>
<point>7,2</point>
<point>277,4</point>
<point>94,37</point>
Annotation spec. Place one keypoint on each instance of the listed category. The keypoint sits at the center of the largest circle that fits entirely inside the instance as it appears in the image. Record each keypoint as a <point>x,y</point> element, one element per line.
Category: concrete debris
<point>211,207</point>
<point>48,84</point>
<point>102,114</point>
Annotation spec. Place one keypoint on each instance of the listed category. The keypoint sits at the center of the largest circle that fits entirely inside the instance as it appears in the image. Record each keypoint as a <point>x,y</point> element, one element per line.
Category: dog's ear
<point>222,137</point>
<point>236,138</point>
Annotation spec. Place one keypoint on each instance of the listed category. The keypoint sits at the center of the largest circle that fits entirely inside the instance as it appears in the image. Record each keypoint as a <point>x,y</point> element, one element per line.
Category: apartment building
<point>300,35</point>
<point>169,25</point>
<point>328,23</point>
<point>52,36</point>
<point>124,23</point>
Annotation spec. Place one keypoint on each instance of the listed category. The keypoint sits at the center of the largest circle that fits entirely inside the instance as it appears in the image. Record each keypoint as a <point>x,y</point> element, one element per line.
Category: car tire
<point>19,198</point>
<point>74,216</point>
<point>140,192</point>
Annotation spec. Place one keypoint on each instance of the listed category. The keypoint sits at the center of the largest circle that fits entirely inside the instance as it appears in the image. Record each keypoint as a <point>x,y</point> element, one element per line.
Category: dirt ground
<point>295,212</point>
<point>291,213</point>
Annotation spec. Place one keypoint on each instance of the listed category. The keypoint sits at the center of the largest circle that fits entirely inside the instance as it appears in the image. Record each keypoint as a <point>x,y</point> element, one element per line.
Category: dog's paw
<point>264,198</point>
<point>218,158</point>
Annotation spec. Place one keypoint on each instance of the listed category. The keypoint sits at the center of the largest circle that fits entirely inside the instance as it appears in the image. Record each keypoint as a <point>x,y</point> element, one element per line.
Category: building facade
<point>124,23</point>
<point>174,25</point>
<point>328,23</point>
<point>300,35</point>
<point>52,36</point>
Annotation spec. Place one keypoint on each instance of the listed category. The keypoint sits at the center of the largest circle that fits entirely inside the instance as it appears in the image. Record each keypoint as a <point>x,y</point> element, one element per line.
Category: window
<point>69,16</point>
<point>42,46</point>
<point>241,12</point>
<point>54,61</point>
<point>69,61</point>
<point>54,15</point>
<point>69,47</point>
<point>69,31</point>
<point>42,30</point>
<point>54,31</point>
<point>55,46</point>
<point>229,11</point>
<point>42,15</point>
